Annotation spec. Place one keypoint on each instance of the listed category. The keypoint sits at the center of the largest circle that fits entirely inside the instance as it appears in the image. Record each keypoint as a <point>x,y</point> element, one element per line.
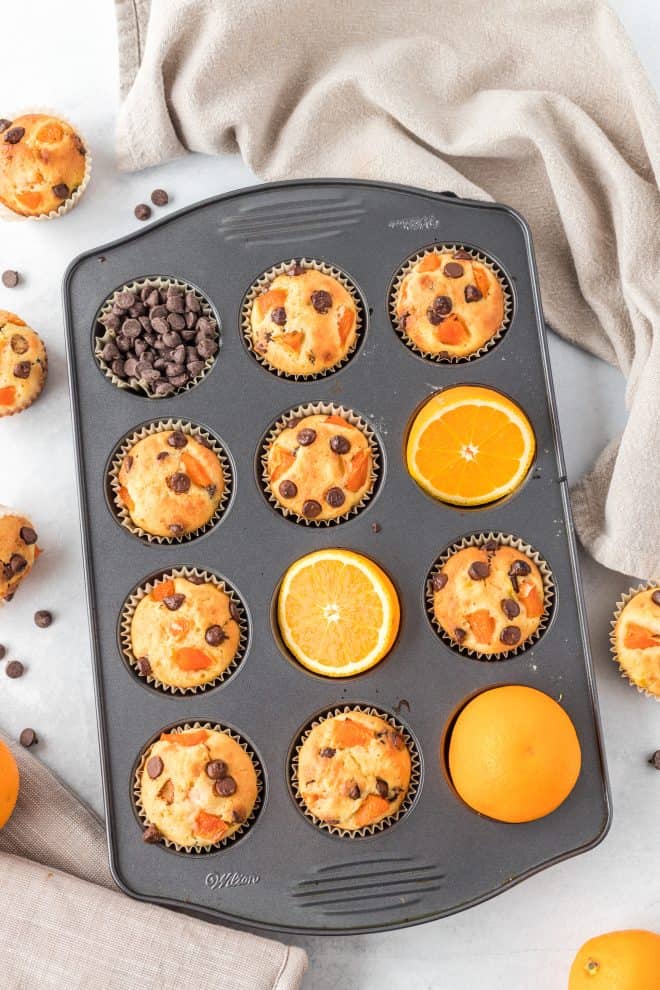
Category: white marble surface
<point>524,938</point>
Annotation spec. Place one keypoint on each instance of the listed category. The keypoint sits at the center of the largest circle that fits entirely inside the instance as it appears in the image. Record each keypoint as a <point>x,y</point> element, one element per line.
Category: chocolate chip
<point>459,635</point>
<point>321,301</point>
<point>295,269</point>
<point>234,611</point>
<point>43,618</point>
<point>125,299</point>
<point>14,669</point>
<point>453,270</point>
<point>131,328</point>
<point>306,437</point>
<point>327,752</point>
<point>144,666</point>
<point>174,602</point>
<point>28,535</point>
<point>479,570</point>
<point>22,369</point>
<point>237,816</point>
<point>490,546</point>
<point>655,597</point>
<point>10,279</point>
<point>4,124</point>
<point>61,190</point>
<point>206,348</point>
<point>311,508</point>
<point>339,444</point>
<point>278,316</point>
<point>176,529</point>
<point>510,635</point>
<point>155,767</point>
<point>215,635</point>
<point>397,740</point>
<point>375,527</point>
<point>179,483</point>
<point>519,568</point>
<point>3,651</point>
<point>211,490</point>
<point>510,608</point>
<point>655,760</point>
<point>197,579</point>
<point>462,255</point>
<point>382,787</point>
<point>151,834</point>
<point>162,455</point>
<point>354,792</point>
<point>335,497</point>
<point>225,787</point>
<point>14,135</point>
<point>216,769</point>
<point>288,489</point>
<point>174,303</point>
<point>441,307</point>
<point>18,343</point>
<point>27,738</point>
<point>159,197</point>
<point>472,293</point>
<point>439,580</point>
<point>17,563</point>
<point>142,211</point>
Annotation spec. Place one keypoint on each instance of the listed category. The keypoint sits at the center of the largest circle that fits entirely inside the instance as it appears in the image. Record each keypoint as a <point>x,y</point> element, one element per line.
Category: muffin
<point>353,770</point>
<point>170,483</point>
<point>42,163</point>
<point>488,598</point>
<point>319,467</point>
<point>304,322</point>
<point>23,364</point>
<point>449,304</point>
<point>636,639</point>
<point>184,632</point>
<point>18,551</point>
<point>196,788</point>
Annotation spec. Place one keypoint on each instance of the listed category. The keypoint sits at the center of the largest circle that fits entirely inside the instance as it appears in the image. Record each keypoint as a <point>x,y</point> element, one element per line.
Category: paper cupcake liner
<point>137,385</point>
<point>243,827</point>
<point>322,409</point>
<point>143,589</point>
<point>478,540</point>
<point>385,823</point>
<point>262,283</point>
<point>620,605</point>
<point>122,514</point>
<point>8,215</point>
<point>484,260</point>
<point>26,405</point>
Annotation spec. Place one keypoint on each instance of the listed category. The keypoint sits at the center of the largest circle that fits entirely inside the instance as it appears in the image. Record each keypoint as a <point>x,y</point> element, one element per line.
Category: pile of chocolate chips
<point>159,340</point>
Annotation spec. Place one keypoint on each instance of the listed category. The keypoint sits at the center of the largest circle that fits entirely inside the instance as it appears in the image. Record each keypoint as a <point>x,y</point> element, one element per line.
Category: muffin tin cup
<point>122,514</point>
<point>385,823</point>
<point>68,204</point>
<point>482,259</point>
<point>620,605</point>
<point>320,409</point>
<point>136,385</point>
<point>479,540</point>
<point>241,830</point>
<point>134,599</point>
<point>262,284</point>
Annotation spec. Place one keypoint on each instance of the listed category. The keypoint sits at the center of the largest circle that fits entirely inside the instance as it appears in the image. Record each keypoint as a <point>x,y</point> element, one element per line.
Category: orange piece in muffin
<point>18,550</point>
<point>42,162</point>
<point>636,640</point>
<point>23,364</point>
<point>449,303</point>
<point>304,323</point>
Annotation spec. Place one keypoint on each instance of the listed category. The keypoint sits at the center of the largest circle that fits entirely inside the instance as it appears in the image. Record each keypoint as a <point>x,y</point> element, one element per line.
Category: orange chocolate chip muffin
<point>304,322</point>
<point>636,640</point>
<point>319,466</point>
<point>170,483</point>
<point>184,633</point>
<point>196,787</point>
<point>449,304</point>
<point>488,598</point>
<point>353,770</point>
<point>23,364</point>
<point>18,550</point>
<point>42,163</point>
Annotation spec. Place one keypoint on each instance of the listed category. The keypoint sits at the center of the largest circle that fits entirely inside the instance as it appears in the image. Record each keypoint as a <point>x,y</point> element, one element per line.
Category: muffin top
<point>304,323</point>
<point>489,599</point>
<point>449,304</point>
<point>197,787</point>
<point>319,466</point>
<point>42,162</point>
<point>18,550</point>
<point>23,364</point>
<point>170,483</point>
<point>353,770</point>
<point>637,639</point>
<point>184,632</point>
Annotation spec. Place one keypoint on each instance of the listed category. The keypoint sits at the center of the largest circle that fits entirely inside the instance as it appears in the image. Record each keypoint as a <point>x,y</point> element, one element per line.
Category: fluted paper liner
<point>137,385</point>
<point>120,511</point>
<point>145,588</point>
<point>320,409</point>
<point>262,283</point>
<point>68,204</point>
<point>503,539</point>
<point>384,823</point>
<point>482,259</point>
<point>620,605</point>
<point>243,827</point>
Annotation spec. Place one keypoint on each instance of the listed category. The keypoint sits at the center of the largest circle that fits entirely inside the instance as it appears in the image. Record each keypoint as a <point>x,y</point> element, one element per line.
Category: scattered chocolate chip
<point>295,269</point>
<point>143,666</point>
<point>655,760</point>
<point>288,489</point>
<point>339,444</point>
<point>43,618</point>
<point>27,738</point>
<point>327,752</point>
<point>510,635</point>
<point>510,608</point>
<point>179,483</point>
<point>382,787</point>
<point>225,787</point>
<point>17,563</point>
<point>14,135</point>
<point>438,581</point>
<point>354,793</point>
<point>159,197</point>
<point>459,635</point>
<point>453,270</point>
<point>216,769</point>
<point>10,279</point>
<point>375,527</point>
<point>278,316</point>
<point>306,437</point>
<point>4,124</point>
<point>3,651</point>
<point>151,834</point>
<point>335,498</point>
<point>462,255</point>
<point>61,190</point>
<point>321,301</point>
<point>174,602</point>
<point>234,611</point>
<point>655,597</point>
<point>479,570</point>
<point>22,369</point>
<point>14,669</point>
<point>311,508</point>
<point>215,635</point>
<point>472,294</point>
<point>28,535</point>
<point>155,767</point>
<point>142,211</point>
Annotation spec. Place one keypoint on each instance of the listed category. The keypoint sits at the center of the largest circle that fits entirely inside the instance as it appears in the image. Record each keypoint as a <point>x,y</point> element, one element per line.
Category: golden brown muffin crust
<point>23,364</point>
<point>42,162</point>
<point>637,639</point>
<point>18,550</point>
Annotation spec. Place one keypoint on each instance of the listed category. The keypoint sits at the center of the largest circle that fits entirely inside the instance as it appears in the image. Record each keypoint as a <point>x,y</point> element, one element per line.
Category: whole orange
<point>8,783</point>
<point>628,960</point>
<point>514,754</point>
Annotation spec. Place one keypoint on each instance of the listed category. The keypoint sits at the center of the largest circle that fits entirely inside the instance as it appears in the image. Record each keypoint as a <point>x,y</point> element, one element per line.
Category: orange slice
<point>338,612</point>
<point>470,445</point>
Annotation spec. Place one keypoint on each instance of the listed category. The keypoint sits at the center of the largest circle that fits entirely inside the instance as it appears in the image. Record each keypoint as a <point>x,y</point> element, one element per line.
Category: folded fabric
<point>68,925</point>
<point>541,104</point>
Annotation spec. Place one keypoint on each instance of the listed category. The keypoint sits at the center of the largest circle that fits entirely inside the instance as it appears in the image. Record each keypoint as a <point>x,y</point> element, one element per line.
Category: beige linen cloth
<point>541,104</point>
<point>66,925</point>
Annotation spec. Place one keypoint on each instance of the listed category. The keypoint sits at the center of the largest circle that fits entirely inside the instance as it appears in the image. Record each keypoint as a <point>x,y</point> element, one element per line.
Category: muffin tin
<point>285,873</point>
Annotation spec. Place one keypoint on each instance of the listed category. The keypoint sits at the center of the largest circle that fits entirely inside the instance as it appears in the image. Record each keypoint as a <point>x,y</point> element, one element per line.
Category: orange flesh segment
<point>336,420</point>
<point>179,627</point>
<point>280,461</point>
<point>349,733</point>
<point>7,395</point>
<point>50,133</point>
<point>270,300</point>
<point>639,638</point>
<point>372,808</point>
<point>293,340</point>
<point>193,738</point>
<point>482,625</point>
<point>345,324</point>
<point>481,280</point>
<point>163,590</point>
<point>452,330</point>
<point>209,825</point>
<point>190,658</point>
<point>29,199</point>
<point>358,473</point>
<point>429,263</point>
<point>196,471</point>
<point>532,600</point>
<point>125,498</point>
